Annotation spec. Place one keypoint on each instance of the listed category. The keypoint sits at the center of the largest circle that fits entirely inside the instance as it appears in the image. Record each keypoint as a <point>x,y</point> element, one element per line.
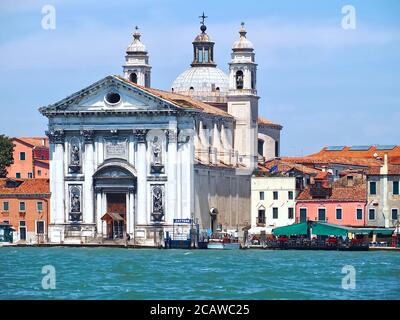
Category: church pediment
<point>110,94</point>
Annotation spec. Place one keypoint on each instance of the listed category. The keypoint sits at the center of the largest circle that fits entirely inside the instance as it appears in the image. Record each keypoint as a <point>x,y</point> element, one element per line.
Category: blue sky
<point>324,84</point>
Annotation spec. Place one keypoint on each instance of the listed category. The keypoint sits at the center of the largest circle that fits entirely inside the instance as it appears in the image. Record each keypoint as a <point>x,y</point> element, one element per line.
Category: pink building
<point>342,202</point>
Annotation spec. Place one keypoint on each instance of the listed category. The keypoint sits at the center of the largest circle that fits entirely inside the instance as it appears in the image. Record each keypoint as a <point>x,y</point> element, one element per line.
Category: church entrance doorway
<point>116,215</point>
<point>115,186</point>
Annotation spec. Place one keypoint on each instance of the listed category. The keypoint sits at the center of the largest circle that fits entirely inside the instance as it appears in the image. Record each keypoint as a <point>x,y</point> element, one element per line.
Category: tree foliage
<point>6,154</point>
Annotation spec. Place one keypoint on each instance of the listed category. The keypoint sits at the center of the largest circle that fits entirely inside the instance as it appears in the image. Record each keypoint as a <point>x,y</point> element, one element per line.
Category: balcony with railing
<point>260,221</point>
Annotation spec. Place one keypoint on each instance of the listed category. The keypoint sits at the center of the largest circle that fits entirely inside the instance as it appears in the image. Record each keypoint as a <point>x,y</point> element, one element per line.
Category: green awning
<point>360,230</point>
<point>387,231</point>
<point>294,229</point>
<point>325,229</point>
<point>383,231</point>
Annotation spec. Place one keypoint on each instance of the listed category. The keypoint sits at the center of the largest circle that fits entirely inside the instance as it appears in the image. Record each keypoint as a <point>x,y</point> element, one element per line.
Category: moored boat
<point>223,241</point>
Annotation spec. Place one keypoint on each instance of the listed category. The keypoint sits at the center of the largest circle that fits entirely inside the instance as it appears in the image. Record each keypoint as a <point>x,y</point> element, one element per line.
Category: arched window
<point>217,89</point>
<point>253,80</point>
<point>206,57</point>
<point>200,55</point>
<point>133,77</point>
<point>260,147</point>
<point>191,89</point>
<point>239,79</point>
<point>276,148</point>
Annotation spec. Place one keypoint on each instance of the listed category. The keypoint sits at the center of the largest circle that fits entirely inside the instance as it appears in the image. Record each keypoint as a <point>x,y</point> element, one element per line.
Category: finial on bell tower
<point>136,67</point>
<point>242,30</point>
<point>203,27</point>
<point>136,34</point>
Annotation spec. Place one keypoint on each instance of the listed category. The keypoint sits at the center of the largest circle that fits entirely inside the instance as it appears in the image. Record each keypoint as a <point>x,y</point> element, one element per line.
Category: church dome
<point>242,43</point>
<point>205,82</point>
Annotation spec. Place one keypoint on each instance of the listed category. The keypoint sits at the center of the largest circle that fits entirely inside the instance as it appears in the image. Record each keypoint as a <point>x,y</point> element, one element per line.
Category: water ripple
<point>104,273</point>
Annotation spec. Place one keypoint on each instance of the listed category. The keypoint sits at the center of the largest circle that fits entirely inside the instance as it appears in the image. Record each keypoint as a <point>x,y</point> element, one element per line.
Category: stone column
<point>127,213</point>
<point>226,137</point>
<point>141,161</point>
<point>131,151</point>
<point>56,139</point>
<point>217,142</point>
<point>172,176</point>
<point>88,166</point>
<point>131,212</point>
<point>186,193</point>
<point>203,135</point>
<point>247,79</point>
<point>99,211</point>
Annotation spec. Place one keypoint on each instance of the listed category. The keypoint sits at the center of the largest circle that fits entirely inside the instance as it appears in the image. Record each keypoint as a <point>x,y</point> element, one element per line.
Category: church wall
<point>224,190</point>
<point>176,178</point>
<point>270,135</point>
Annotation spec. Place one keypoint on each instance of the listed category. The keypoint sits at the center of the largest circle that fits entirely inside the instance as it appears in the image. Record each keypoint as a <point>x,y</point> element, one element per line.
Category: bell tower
<point>136,67</point>
<point>243,99</point>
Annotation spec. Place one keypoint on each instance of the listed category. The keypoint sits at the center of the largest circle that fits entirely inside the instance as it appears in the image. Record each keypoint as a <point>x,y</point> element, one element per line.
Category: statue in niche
<point>75,200</point>
<point>158,206</point>
<point>157,151</point>
<point>75,156</point>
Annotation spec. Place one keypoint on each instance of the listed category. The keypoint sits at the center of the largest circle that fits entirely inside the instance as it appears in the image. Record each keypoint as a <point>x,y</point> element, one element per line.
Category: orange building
<point>24,204</point>
<point>31,158</point>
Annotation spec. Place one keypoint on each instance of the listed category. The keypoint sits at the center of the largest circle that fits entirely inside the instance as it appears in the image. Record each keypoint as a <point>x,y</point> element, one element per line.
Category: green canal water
<point>110,273</point>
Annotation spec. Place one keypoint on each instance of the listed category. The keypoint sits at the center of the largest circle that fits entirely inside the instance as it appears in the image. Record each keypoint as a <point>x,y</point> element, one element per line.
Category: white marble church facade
<point>126,160</point>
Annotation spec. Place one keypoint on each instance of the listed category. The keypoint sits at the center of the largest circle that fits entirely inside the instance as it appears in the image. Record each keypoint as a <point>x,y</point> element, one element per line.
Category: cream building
<point>128,160</point>
<point>272,202</point>
<point>383,195</point>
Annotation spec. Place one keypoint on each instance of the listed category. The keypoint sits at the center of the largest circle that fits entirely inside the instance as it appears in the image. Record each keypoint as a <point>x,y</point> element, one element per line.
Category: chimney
<point>385,167</point>
<point>350,181</point>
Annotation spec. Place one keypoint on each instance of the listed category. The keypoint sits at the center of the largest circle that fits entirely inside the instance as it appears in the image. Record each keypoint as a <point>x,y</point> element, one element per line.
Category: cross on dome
<point>203,17</point>
<point>203,27</point>
<point>136,34</point>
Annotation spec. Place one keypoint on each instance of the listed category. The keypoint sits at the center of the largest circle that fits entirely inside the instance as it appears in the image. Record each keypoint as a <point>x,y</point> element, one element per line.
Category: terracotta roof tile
<point>28,186</point>
<point>348,153</point>
<point>322,175</point>
<point>339,193</point>
<point>181,100</point>
<point>392,170</point>
<point>334,160</point>
<point>265,122</point>
<point>34,141</point>
<point>284,167</point>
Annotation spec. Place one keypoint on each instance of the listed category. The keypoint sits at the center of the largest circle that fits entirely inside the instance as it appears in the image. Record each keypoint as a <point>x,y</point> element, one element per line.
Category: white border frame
<point>44,225</point>
<point>317,215</point>
<point>341,218</point>
<point>305,208</point>
<point>374,214</point>
<point>362,214</point>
